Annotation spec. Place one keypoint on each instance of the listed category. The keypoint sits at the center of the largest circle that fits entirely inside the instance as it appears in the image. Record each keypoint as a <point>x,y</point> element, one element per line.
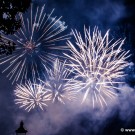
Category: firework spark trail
<point>31,95</point>
<point>59,83</point>
<point>35,45</point>
<point>97,63</point>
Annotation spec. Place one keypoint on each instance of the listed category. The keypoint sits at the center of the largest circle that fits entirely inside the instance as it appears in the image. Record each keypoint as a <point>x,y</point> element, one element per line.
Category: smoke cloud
<point>76,118</point>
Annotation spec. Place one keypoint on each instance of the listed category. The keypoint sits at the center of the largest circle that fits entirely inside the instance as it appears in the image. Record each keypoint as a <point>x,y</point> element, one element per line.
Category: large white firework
<point>97,63</point>
<point>30,96</point>
<point>59,83</point>
<point>35,44</point>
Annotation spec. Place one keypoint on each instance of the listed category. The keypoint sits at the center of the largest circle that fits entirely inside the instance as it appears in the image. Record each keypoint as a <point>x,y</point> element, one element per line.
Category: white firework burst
<point>31,95</point>
<point>59,84</point>
<point>97,63</point>
<point>35,44</point>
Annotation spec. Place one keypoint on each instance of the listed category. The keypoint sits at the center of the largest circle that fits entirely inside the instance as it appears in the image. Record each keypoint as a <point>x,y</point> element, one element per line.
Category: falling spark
<point>31,95</point>
<point>97,64</point>
<point>35,45</point>
<point>59,83</point>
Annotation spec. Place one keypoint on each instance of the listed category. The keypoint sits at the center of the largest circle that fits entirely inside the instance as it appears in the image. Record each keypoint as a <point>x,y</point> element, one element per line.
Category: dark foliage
<point>6,47</point>
<point>9,22</point>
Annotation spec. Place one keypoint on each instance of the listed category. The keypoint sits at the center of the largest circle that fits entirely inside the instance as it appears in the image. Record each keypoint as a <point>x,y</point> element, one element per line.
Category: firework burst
<point>97,63</point>
<point>59,84</point>
<point>35,45</point>
<point>30,95</point>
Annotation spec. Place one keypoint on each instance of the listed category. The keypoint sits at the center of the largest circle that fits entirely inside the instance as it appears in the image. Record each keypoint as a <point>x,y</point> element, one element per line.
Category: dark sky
<point>117,15</point>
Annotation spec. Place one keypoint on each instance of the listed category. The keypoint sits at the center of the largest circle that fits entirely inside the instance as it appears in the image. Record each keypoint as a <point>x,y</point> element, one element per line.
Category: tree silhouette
<point>6,47</point>
<point>9,22</point>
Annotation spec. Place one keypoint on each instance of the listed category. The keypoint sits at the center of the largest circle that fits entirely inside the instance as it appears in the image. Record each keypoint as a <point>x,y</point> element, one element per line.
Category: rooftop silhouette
<point>21,128</point>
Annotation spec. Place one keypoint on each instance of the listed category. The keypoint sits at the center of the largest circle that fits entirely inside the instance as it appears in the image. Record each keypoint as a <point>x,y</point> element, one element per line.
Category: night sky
<point>77,119</point>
